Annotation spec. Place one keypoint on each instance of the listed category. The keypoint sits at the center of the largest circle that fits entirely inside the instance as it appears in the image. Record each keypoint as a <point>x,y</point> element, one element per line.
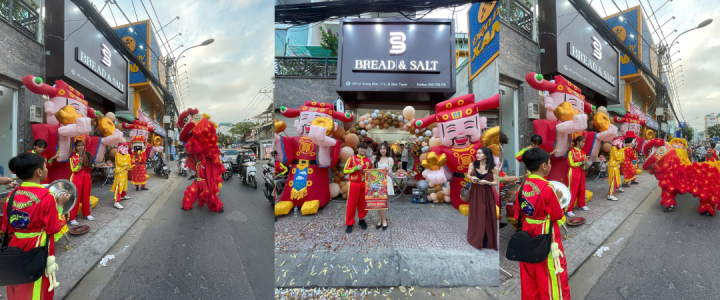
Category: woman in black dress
<point>482,217</point>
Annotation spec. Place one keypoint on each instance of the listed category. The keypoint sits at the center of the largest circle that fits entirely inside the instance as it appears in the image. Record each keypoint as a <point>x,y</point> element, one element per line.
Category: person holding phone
<point>576,176</point>
<point>35,214</point>
<point>81,164</point>
<point>482,214</point>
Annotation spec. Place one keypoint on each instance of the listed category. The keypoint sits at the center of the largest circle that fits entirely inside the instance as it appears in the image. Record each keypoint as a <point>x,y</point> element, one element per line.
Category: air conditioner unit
<point>533,111</point>
<point>36,114</point>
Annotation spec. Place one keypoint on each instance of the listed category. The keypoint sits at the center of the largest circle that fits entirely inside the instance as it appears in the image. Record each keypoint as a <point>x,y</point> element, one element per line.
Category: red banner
<point>376,189</point>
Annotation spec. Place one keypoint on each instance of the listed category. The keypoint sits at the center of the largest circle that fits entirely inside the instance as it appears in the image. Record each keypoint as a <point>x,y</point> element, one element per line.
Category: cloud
<point>225,76</point>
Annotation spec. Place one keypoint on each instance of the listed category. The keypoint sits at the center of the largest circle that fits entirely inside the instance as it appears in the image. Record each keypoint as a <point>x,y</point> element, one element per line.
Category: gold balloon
<point>67,115</point>
<point>491,139</point>
<point>601,121</point>
<point>326,123</point>
<point>565,112</point>
<point>107,127</point>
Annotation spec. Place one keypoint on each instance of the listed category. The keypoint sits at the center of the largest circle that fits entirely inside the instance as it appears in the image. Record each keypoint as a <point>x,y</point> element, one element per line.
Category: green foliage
<point>225,140</point>
<point>240,129</point>
<point>329,41</point>
<point>688,132</point>
<point>713,131</point>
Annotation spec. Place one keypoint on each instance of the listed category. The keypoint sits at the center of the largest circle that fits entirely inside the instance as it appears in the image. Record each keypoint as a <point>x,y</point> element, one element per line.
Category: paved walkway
<point>602,219</point>
<point>424,245</point>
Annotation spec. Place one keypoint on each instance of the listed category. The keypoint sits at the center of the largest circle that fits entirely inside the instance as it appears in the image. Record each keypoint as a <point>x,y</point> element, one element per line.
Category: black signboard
<point>396,55</point>
<point>90,60</point>
<point>577,51</point>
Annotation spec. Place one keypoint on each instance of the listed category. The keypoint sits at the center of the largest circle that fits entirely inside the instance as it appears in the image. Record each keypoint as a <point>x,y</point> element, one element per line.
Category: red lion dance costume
<point>675,177</point>
<point>201,142</point>
<point>310,154</point>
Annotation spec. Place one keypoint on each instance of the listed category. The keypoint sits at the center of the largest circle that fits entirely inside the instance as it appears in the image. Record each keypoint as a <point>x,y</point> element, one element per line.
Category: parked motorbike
<point>161,168</point>
<point>269,189</point>
<point>182,168</point>
<point>228,171</point>
<point>247,171</point>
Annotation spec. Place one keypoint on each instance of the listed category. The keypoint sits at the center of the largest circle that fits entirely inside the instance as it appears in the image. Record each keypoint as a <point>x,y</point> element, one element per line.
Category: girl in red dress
<point>81,164</point>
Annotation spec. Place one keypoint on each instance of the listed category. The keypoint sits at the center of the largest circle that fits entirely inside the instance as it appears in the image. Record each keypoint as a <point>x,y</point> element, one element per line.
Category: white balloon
<point>374,116</point>
<point>377,111</point>
<point>417,131</point>
<point>420,139</point>
<point>400,118</point>
<point>425,149</point>
<point>393,116</point>
<point>428,133</point>
<point>363,132</point>
<point>367,122</point>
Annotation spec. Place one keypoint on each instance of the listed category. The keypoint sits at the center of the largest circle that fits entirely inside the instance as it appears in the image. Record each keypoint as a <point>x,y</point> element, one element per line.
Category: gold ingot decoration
<point>107,127</point>
<point>157,141</point>
<point>491,139</point>
<point>601,121</point>
<point>649,134</point>
<point>67,115</point>
<point>434,162</point>
<point>279,126</point>
<point>325,122</point>
<point>565,112</point>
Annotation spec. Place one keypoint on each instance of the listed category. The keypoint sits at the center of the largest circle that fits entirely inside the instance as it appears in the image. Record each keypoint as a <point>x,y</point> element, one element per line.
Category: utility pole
<point>169,103</point>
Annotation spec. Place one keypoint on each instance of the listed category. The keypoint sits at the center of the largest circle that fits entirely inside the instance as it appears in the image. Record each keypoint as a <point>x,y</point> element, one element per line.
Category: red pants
<point>120,196</point>
<point>83,182</point>
<point>576,184</point>
<point>356,200</point>
<point>538,281</point>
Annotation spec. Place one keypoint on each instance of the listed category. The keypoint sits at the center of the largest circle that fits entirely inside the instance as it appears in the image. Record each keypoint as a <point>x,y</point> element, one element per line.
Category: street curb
<point>84,258</point>
<point>431,269</point>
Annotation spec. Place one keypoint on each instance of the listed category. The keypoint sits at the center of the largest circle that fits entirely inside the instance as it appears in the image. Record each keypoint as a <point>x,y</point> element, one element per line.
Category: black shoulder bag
<point>522,246</point>
<point>18,266</point>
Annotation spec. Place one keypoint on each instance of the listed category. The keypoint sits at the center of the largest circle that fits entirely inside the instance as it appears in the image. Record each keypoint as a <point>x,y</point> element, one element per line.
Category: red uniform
<point>139,171</point>
<point>628,168</point>
<point>34,214</point>
<point>48,162</point>
<point>518,156</point>
<point>712,155</point>
<point>541,214</point>
<point>301,154</point>
<point>280,169</point>
<point>576,178</point>
<point>356,190</point>
<point>81,179</point>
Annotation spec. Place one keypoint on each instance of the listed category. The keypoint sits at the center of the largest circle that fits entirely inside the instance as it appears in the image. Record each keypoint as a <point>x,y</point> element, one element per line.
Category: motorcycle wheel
<point>254,181</point>
<point>167,176</point>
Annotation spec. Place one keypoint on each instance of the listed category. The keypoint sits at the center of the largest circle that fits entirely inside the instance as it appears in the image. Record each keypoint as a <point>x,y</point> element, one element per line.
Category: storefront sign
<point>90,60</point>
<point>625,25</point>
<point>136,38</point>
<point>484,35</point>
<point>156,127</point>
<point>651,123</point>
<point>577,51</point>
<point>396,55</point>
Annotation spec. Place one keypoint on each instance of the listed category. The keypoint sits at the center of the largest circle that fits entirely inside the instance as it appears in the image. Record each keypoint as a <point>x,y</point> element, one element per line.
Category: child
<point>541,213</point>
<point>39,148</point>
<point>35,214</point>
<point>356,191</point>
<point>123,163</point>
<point>617,156</point>
<point>576,177</point>
<point>711,153</point>
<point>80,166</point>
<point>535,141</point>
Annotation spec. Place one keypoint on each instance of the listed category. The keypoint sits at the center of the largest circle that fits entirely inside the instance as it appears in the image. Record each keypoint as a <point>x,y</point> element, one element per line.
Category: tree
<point>224,139</point>
<point>688,132</point>
<point>241,129</point>
<point>712,132</point>
<point>329,41</point>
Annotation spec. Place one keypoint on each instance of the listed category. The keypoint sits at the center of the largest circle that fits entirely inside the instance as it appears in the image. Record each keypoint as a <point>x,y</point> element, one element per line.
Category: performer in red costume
<point>576,176</point>
<point>459,130</point>
<point>39,147</point>
<point>541,214</point>
<point>60,136</point>
<point>632,123</point>
<point>712,154</point>
<point>34,215</point>
<point>139,131</point>
<point>312,150</point>
<point>556,134</point>
<point>354,168</point>
<point>699,179</point>
<point>201,142</point>
<point>628,166</point>
<point>81,165</point>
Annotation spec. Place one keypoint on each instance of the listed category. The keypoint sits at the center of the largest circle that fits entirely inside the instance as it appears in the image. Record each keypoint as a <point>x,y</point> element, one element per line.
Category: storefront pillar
<point>136,102</point>
<point>628,96</point>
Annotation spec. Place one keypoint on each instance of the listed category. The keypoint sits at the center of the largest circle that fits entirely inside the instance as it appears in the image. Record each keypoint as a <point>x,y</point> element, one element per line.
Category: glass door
<point>8,124</point>
<point>508,120</point>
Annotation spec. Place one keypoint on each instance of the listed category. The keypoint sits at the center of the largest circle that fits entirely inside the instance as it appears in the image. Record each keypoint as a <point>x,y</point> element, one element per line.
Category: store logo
<point>597,48</point>
<point>397,40</point>
<point>106,54</point>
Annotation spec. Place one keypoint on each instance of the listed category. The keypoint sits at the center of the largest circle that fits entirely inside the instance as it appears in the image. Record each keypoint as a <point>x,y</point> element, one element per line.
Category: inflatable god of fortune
<point>68,116</point>
<point>567,119</point>
<point>632,123</point>
<point>310,155</point>
<point>139,131</point>
<point>459,130</point>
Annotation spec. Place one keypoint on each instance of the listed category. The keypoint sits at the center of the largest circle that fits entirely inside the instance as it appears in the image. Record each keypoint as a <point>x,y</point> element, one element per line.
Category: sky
<point>225,76</point>
<point>700,69</point>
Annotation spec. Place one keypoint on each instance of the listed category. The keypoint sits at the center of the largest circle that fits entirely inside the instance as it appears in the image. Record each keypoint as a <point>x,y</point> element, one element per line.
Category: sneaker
<point>625,185</point>
<point>74,223</point>
<point>126,198</point>
<point>349,229</point>
<point>611,197</point>
<point>90,218</point>
<point>670,208</point>
<point>585,208</point>
<point>117,205</point>
<point>570,214</point>
<point>363,225</point>
<point>634,182</point>
<point>621,190</point>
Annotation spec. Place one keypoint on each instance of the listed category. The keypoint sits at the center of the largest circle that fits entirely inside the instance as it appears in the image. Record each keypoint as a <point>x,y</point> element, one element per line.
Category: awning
<point>617,108</point>
<point>127,116</point>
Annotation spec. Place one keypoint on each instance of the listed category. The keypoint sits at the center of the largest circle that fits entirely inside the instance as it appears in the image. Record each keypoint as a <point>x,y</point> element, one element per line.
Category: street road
<point>201,255</point>
<point>669,256</point>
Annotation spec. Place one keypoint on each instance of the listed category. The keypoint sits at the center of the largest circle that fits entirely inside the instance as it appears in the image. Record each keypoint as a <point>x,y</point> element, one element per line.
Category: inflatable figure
<point>310,154</point>
<point>459,130</point>
<point>139,132</point>
<point>565,122</point>
<point>700,179</point>
<point>68,116</point>
<point>201,143</point>
<point>632,123</point>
